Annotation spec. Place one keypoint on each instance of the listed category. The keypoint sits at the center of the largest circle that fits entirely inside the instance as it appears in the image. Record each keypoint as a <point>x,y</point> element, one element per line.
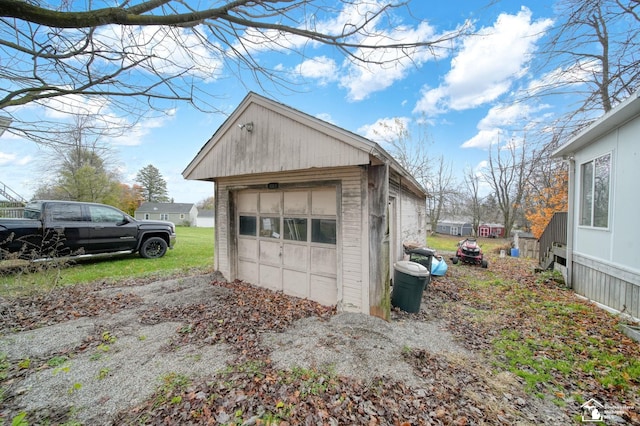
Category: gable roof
<point>206,213</point>
<point>339,147</point>
<point>165,208</point>
<point>616,117</point>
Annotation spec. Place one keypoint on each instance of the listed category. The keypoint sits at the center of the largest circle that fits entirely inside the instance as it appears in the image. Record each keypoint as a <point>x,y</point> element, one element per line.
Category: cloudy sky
<point>461,92</point>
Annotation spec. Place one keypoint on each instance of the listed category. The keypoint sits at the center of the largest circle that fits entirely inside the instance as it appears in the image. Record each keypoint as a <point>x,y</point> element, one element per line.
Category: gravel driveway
<point>91,368</point>
<point>72,371</point>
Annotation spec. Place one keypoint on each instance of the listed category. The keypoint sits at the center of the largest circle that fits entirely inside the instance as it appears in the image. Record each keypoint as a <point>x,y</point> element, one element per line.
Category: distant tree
<point>489,209</point>
<point>440,186</point>
<point>435,175</point>
<point>472,186</point>
<point>507,173</point>
<point>206,204</point>
<point>129,198</point>
<point>79,164</point>
<point>154,187</point>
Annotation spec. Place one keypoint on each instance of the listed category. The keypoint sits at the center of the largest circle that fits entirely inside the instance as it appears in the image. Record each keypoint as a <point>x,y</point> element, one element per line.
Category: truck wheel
<point>485,264</point>
<point>454,259</point>
<point>153,248</point>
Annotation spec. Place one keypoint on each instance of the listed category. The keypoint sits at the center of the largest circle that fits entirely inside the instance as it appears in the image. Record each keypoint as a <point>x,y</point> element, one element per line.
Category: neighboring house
<point>178,213</point>
<point>205,219</point>
<point>491,230</point>
<point>602,223</point>
<point>307,208</point>
<point>455,227</point>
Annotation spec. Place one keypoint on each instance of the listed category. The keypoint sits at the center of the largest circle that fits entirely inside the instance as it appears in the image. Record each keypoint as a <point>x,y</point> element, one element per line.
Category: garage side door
<point>287,241</point>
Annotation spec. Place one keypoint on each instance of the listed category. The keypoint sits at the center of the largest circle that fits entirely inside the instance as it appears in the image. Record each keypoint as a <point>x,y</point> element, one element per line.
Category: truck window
<point>105,214</point>
<point>65,212</point>
<point>31,214</point>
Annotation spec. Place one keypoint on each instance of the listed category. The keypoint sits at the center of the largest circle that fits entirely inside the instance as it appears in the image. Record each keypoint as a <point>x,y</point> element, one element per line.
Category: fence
<point>554,235</point>
<point>11,210</point>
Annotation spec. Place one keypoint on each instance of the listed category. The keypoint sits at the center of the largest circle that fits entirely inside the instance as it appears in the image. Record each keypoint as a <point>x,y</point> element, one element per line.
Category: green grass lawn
<point>449,243</point>
<point>193,251</point>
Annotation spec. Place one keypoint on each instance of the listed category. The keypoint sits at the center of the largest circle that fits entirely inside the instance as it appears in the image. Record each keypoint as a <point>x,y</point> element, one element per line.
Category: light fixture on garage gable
<point>248,126</point>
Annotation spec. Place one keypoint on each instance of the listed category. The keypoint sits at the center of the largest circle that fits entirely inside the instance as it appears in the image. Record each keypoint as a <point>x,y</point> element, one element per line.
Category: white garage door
<point>287,241</point>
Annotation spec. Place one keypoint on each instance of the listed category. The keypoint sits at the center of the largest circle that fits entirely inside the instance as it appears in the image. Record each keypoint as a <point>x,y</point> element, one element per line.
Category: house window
<point>594,192</point>
<point>146,216</point>
<point>181,215</point>
<point>164,216</point>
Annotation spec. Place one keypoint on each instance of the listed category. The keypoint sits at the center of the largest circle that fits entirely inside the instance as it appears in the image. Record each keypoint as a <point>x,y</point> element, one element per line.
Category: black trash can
<point>423,256</point>
<point>409,281</point>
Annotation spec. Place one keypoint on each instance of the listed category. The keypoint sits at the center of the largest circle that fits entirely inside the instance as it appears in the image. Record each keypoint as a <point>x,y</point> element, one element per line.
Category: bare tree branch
<point>148,53</point>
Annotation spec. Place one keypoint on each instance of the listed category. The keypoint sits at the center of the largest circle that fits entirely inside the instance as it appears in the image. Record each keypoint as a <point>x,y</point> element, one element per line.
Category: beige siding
<point>221,250</point>
<point>352,294</point>
<point>277,143</point>
<point>411,214</point>
<point>413,218</point>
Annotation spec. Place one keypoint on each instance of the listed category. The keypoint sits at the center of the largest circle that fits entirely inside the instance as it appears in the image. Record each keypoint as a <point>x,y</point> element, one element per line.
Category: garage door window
<point>248,225</point>
<point>295,229</point>
<point>270,227</point>
<point>323,231</point>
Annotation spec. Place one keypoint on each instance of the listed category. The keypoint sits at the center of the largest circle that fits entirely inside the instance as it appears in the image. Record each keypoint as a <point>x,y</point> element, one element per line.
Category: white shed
<point>307,208</point>
<point>602,226</point>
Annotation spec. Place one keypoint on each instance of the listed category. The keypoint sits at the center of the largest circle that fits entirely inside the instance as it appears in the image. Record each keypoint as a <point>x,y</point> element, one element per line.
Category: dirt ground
<point>101,363</point>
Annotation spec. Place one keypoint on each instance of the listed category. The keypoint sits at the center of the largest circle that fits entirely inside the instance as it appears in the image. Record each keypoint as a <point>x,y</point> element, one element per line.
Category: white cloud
<point>136,134</point>
<point>170,51</point>
<point>377,68</point>
<point>484,138</point>
<point>576,74</point>
<point>320,68</point>
<point>382,67</point>
<point>24,160</point>
<point>67,106</point>
<point>324,116</point>
<point>432,101</point>
<point>385,129</point>
<point>505,115</point>
<point>487,64</point>
<point>6,158</point>
<point>482,165</point>
<point>254,40</point>
<point>493,127</point>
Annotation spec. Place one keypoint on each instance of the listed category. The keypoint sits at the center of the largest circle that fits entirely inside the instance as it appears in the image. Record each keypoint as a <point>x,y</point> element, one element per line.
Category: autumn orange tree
<point>128,198</point>
<point>548,197</point>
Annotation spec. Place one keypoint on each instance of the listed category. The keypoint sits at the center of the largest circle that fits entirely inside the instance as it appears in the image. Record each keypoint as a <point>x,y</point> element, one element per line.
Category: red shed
<point>491,230</point>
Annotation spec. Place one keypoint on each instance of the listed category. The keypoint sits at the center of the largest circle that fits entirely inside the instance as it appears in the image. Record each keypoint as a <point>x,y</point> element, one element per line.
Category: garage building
<point>305,207</point>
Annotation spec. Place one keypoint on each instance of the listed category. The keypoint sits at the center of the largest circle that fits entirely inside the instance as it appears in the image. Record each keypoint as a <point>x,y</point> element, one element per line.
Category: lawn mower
<point>469,251</point>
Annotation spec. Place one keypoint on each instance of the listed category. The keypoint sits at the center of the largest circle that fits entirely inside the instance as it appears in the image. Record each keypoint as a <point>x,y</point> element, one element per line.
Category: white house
<point>205,219</point>
<point>307,208</point>
<point>603,235</point>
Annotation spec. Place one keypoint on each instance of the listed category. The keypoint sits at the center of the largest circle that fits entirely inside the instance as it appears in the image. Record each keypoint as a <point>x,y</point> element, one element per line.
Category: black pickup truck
<point>67,228</point>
